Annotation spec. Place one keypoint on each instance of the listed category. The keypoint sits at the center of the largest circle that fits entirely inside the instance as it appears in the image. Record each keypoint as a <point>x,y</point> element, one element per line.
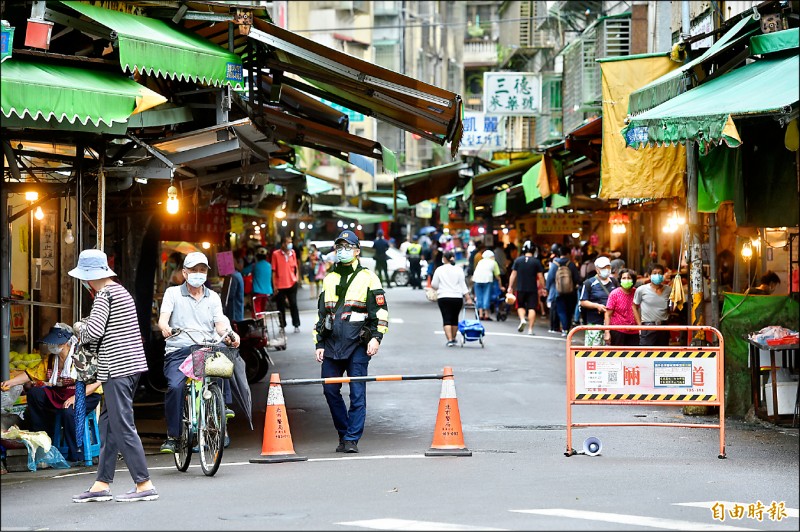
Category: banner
<point>209,225</point>
<point>512,93</point>
<point>559,223</point>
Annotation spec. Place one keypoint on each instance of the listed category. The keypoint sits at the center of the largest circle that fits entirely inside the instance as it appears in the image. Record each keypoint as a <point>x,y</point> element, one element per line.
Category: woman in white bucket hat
<point>113,327</point>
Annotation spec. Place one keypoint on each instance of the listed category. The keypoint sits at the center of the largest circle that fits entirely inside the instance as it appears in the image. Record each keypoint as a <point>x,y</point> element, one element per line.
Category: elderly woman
<point>53,388</point>
<point>451,289</point>
<point>486,271</point>
<point>112,326</point>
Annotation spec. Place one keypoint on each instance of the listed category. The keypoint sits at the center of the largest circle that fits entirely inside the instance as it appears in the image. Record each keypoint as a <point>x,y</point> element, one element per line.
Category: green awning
<point>45,92</point>
<point>315,186</point>
<point>670,85</point>
<point>706,113</point>
<point>779,41</point>
<point>530,183</point>
<point>402,201</point>
<point>160,49</point>
<point>430,182</point>
<point>514,170</point>
<point>363,217</point>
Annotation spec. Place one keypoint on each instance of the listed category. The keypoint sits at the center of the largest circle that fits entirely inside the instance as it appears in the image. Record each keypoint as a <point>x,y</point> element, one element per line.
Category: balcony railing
<point>473,102</point>
<point>484,53</point>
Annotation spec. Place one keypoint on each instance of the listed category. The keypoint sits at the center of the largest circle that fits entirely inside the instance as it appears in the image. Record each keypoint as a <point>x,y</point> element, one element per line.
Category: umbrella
<point>426,230</point>
<point>677,296</point>
<point>240,389</point>
<point>80,412</point>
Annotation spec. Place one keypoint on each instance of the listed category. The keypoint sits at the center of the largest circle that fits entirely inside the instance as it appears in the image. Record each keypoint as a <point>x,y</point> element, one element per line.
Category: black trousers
<point>291,295</point>
<point>415,272</point>
<point>41,415</point>
<point>382,266</point>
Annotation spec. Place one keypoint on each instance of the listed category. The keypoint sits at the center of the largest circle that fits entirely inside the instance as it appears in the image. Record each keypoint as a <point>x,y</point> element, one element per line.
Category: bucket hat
<point>92,265</point>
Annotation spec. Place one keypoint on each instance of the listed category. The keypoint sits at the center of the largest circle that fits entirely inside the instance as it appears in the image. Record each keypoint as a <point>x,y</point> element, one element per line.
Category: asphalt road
<point>511,396</point>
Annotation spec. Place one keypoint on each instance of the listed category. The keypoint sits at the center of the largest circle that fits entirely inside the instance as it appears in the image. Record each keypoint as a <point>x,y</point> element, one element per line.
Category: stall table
<point>788,354</point>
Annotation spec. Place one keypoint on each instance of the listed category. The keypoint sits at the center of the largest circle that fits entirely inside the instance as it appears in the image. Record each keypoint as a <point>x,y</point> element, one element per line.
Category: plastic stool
<point>91,437</point>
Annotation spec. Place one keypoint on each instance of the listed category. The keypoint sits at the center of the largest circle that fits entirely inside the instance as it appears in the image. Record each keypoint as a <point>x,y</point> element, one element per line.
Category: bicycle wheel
<point>183,450</point>
<point>212,429</point>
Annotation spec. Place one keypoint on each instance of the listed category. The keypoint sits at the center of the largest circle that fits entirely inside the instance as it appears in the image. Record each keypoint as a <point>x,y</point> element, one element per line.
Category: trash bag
<point>9,397</point>
<point>41,459</point>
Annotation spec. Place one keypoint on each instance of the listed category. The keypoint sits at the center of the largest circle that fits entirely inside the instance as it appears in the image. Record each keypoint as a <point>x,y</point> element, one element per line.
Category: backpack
<point>564,283</point>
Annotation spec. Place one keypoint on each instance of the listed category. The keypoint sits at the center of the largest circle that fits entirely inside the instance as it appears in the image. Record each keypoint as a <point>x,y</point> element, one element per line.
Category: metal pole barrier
<point>368,378</point>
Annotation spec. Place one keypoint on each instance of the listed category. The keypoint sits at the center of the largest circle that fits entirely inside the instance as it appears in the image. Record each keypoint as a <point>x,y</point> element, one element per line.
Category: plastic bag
<point>186,367</point>
<point>10,397</point>
<point>41,459</point>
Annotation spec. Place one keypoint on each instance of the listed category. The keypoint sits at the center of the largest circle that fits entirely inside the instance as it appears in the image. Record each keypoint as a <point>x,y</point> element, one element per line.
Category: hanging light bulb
<point>206,245</point>
<point>747,250</point>
<point>69,238</point>
<point>302,225</point>
<point>31,195</point>
<point>39,214</point>
<point>173,205</point>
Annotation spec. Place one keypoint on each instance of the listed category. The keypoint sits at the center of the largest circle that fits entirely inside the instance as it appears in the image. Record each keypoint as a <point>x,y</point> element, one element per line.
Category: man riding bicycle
<point>193,307</point>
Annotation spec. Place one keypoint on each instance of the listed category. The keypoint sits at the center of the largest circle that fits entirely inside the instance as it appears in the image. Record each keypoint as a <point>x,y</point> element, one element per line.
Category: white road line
<point>225,464</point>
<point>633,520</point>
<point>518,335</point>
<point>396,320</point>
<point>790,512</point>
<point>407,524</point>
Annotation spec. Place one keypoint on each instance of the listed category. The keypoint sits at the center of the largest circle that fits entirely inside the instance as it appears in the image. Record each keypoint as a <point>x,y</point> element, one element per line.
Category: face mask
<point>604,273</point>
<point>345,255</point>
<point>656,278</point>
<point>54,349</point>
<point>196,279</point>
<point>626,283</point>
<point>289,247</point>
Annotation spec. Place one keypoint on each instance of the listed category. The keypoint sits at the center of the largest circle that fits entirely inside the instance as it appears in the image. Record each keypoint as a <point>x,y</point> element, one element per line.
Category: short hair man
<point>651,307</point>
<point>594,296</point>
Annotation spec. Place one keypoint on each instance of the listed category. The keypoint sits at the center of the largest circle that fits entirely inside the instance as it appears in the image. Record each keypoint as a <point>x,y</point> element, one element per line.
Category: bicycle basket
<point>214,361</point>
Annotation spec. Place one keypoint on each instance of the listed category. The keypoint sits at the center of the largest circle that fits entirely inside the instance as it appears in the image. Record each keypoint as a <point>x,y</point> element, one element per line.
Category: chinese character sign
<point>47,242</point>
<point>481,131</point>
<point>558,223</point>
<point>512,93</point>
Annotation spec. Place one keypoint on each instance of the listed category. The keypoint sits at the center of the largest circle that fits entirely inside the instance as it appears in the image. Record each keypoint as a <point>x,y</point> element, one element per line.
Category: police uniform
<point>414,252</point>
<point>344,333</point>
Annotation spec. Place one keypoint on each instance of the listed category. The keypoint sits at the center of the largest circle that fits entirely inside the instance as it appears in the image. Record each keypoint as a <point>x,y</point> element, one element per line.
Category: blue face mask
<point>289,246</point>
<point>196,279</point>
<point>345,255</point>
<point>656,278</point>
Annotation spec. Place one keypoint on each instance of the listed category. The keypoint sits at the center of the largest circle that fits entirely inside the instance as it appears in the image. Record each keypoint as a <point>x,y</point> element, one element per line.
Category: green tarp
<point>389,160</point>
<point>499,206</point>
<point>363,217</point>
<point>44,91</point>
<point>315,186</point>
<point>743,315</point>
<point>157,48</point>
<point>530,183</point>
<point>717,177</point>
<point>778,41</point>
<point>705,113</point>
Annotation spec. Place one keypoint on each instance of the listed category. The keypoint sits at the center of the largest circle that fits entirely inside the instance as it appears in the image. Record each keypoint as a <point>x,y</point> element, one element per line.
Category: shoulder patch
<point>380,299</point>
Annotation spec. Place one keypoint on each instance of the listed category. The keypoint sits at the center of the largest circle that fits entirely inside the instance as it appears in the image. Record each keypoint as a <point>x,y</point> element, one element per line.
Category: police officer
<point>414,253</point>
<point>352,319</point>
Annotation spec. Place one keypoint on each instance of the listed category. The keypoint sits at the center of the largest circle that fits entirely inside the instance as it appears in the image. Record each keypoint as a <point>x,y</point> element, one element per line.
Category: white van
<point>397,265</point>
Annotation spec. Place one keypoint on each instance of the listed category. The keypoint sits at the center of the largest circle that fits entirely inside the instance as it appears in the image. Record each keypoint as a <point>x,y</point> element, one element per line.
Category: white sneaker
<point>521,326</point>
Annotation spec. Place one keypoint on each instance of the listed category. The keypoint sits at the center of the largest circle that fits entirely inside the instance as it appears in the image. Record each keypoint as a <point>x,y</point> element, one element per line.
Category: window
<point>387,55</point>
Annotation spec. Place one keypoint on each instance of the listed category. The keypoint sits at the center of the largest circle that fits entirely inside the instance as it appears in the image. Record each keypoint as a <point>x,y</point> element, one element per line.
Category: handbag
<point>431,294</point>
<point>85,358</point>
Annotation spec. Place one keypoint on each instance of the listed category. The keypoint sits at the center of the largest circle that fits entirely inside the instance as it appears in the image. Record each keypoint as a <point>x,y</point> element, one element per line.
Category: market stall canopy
<point>315,186</point>
<point>163,50</point>
<point>482,183</point>
<point>673,83</point>
<point>363,217</point>
<point>706,113</point>
<point>431,182</point>
<point>418,107</point>
<point>45,92</point>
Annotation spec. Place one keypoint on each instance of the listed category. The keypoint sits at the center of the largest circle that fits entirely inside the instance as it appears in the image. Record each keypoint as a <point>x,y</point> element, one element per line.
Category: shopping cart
<point>265,309</point>
<point>471,330</point>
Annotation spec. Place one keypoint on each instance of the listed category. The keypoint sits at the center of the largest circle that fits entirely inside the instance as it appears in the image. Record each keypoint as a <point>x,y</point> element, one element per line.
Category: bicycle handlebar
<point>175,331</point>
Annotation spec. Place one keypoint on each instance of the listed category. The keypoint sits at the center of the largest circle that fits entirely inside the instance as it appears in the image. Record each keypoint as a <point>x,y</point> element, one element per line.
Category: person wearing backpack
<point>594,296</point>
<point>564,277</point>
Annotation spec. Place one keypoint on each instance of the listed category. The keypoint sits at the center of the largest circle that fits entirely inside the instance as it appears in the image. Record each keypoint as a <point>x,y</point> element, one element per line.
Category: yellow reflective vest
<point>362,316</point>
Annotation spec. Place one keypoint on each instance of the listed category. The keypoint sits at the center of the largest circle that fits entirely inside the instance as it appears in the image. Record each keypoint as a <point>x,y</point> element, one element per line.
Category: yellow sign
<point>558,223</point>
<point>237,223</point>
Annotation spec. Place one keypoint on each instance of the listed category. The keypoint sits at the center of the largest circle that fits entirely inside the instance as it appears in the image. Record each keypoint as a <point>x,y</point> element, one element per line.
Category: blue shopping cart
<point>471,330</point>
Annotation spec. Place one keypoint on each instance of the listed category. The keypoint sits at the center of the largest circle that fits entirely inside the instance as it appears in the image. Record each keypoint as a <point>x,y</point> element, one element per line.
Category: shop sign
<point>512,93</point>
<point>234,72</point>
<point>225,263</point>
<point>558,223</point>
<point>424,209</point>
<point>47,242</point>
<point>636,135</point>
<point>481,131</point>
<point>237,224</point>
<point>210,225</point>
<point>6,42</point>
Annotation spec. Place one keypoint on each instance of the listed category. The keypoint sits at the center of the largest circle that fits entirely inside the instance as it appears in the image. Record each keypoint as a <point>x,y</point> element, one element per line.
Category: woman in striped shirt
<point>113,326</point>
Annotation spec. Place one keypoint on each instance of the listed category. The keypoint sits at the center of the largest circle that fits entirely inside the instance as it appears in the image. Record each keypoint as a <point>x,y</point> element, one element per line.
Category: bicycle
<point>203,422</point>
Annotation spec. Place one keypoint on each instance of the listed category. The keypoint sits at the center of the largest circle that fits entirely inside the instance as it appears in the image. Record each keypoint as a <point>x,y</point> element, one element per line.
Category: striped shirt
<point>121,351</point>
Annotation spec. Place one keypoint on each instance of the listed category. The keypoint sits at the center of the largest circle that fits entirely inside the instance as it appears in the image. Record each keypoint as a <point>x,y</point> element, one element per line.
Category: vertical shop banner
<point>481,131</point>
<point>225,263</point>
<point>424,209</point>
<point>208,225</point>
<point>47,242</point>
<point>512,93</point>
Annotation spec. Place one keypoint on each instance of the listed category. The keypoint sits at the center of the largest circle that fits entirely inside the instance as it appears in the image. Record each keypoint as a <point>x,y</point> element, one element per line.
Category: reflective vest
<point>414,249</point>
<point>364,308</point>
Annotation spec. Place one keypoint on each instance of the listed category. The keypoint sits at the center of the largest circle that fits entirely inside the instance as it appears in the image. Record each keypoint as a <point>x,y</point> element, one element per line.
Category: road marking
<point>634,520</point>
<point>518,335</point>
<point>407,524</point>
<point>223,464</point>
<point>396,320</point>
<point>790,512</point>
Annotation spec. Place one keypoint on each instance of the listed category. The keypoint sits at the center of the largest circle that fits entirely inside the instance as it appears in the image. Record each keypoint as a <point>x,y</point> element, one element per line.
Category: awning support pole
<point>5,284</point>
<point>695,252</point>
<point>101,207</point>
<point>712,266</point>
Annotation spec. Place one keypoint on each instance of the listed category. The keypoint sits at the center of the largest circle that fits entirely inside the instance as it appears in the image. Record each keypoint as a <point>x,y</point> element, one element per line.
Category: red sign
<point>210,225</point>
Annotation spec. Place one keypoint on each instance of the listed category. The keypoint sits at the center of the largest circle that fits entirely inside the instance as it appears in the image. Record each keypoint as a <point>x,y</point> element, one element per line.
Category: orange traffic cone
<point>448,438</point>
<point>277,443</point>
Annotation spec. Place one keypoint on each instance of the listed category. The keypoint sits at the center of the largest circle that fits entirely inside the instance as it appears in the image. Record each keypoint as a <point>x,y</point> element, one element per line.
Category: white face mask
<point>604,273</point>
<point>196,279</point>
<point>54,349</point>
<point>289,246</point>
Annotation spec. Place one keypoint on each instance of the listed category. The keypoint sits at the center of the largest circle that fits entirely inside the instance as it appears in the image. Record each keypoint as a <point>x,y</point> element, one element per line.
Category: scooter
<point>253,348</point>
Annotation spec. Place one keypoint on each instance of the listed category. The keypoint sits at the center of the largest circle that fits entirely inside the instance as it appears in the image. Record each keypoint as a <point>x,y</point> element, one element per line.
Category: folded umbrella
<point>240,389</point>
<point>80,412</point>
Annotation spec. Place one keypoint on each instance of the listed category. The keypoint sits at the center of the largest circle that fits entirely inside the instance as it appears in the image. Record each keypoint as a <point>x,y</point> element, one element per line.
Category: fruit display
<point>23,361</point>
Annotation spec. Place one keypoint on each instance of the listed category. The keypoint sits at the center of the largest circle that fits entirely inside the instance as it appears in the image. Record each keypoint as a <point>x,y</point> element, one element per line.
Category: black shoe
<point>340,447</point>
<point>350,446</point>
<point>169,445</point>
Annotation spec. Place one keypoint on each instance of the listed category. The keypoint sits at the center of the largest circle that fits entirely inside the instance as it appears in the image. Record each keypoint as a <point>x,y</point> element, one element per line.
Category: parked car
<point>397,265</point>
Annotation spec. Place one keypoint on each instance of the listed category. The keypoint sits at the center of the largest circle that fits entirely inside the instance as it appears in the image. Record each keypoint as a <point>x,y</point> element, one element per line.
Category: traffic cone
<point>448,438</point>
<point>277,444</point>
